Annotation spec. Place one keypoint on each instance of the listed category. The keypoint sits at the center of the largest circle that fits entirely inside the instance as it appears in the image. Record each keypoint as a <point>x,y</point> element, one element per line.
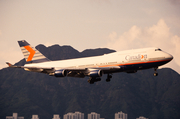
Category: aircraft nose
<point>168,56</point>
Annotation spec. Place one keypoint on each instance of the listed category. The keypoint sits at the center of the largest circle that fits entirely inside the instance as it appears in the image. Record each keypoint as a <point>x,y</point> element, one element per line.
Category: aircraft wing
<point>100,68</point>
<point>82,72</point>
<point>34,69</point>
<point>71,71</point>
<point>50,70</point>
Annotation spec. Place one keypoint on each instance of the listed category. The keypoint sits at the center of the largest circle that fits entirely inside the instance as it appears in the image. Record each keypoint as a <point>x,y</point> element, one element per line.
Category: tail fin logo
<point>31,54</point>
<point>31,51</point>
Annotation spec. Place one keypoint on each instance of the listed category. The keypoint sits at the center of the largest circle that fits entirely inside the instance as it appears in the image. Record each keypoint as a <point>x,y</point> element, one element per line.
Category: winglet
<point>9,64</point>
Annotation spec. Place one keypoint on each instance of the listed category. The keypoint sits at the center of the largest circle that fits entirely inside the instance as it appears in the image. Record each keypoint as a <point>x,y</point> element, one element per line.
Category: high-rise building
<point>141,117</point>
<point>15,116</point>
<point>69,116</point>
<point>120,115</point>
<point>56,116</point>
<point>35,117</point>
<point>76,115</point>
<point>79,115</point>
<point>93,115</point>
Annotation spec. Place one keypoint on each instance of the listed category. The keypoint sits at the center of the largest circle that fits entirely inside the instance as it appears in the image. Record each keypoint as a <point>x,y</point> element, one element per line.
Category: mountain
<point>138,94</point>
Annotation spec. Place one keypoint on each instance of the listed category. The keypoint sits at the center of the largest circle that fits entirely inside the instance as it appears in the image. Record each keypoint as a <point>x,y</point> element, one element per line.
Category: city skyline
<point>77,115</point>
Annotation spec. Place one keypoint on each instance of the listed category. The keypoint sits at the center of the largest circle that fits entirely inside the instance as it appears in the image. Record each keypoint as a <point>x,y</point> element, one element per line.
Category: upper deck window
<point>158,49</point>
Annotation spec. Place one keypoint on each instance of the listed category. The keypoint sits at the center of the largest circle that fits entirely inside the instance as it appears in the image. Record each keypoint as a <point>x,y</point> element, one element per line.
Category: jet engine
<point>60,73</point>
<point>95,73</point>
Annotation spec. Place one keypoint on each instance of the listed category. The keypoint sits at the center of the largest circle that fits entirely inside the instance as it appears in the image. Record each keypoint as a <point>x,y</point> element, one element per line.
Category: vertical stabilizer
<point>31,54</point>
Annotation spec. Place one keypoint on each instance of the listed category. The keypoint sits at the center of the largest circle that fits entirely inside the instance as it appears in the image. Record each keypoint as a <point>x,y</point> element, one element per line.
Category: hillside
<point>138,94</point>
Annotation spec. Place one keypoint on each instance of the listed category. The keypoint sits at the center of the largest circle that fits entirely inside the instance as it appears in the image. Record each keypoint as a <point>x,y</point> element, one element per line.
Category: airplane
<point>129,61</point>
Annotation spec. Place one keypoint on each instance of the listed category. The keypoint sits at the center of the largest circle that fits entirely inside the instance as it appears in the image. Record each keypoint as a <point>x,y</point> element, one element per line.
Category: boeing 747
<point>129,61</point>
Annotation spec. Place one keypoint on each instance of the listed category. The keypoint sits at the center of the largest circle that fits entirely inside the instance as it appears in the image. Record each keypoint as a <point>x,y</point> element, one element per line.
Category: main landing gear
<point>155,73</point>
<point>91,80</point>
<point>108,78</point>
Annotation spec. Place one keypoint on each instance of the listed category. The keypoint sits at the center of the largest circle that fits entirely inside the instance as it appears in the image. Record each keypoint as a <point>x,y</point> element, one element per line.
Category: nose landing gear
<point>155,73</point>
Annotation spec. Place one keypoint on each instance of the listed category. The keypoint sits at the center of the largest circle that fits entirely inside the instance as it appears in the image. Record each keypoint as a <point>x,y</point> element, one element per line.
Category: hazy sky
<point>85,24</point>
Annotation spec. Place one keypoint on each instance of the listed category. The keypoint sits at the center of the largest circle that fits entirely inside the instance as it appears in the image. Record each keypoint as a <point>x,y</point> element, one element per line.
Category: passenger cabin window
<point>158,49</point>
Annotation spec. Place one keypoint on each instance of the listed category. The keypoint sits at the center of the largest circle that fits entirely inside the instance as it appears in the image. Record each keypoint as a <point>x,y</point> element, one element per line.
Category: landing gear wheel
<point>108,78</point>
<point>155,74</point>
<point>90,80</point>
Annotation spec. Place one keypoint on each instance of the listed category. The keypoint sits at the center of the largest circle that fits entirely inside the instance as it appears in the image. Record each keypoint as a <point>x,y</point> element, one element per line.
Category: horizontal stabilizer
<point>14,66</point>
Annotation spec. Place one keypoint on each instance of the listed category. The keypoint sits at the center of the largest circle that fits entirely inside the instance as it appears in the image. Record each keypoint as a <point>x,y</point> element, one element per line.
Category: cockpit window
<point>158,49</point>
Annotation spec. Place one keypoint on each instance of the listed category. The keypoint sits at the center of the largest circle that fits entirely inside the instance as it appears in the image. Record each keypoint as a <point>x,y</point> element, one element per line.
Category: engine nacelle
<point>95,73</point>
<point>60,73</point>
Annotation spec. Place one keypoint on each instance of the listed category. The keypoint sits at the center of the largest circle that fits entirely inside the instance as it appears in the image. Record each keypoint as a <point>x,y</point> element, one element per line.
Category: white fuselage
<point>151,56</point>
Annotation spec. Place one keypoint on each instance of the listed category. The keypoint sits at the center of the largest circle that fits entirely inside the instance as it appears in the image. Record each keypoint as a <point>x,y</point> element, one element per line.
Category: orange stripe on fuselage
<point>134,63</point>
<point>32,52</point>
